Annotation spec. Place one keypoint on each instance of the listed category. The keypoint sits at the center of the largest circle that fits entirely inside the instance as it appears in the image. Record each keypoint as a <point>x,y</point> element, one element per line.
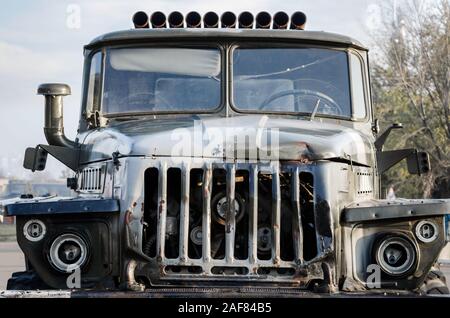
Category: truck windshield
<point>293,80</point>
<point>161,79</point>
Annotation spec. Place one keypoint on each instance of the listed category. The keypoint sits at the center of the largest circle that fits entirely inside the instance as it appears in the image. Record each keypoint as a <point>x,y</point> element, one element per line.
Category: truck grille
<point>91,179</point>
<point>268,230</point>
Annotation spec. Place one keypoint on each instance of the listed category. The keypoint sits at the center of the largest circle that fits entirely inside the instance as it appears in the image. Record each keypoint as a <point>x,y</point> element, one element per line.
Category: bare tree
<point>411,78</point>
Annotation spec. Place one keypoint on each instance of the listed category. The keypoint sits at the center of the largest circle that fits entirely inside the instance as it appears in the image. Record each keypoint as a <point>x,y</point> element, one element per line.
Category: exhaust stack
<point>54,114</point>
<point>228,20</point>
<point>158,20</point>
<point>140,20</point>
<point>193,20</point>
<point>298,21</point>
<point>211,20</point>
<point>176,20</point>
<point>246,20</point>
<point>280,20</point>
<point>263,20</point>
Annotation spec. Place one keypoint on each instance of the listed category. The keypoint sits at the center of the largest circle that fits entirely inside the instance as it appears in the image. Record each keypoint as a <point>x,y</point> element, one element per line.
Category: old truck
<point>236,153</point>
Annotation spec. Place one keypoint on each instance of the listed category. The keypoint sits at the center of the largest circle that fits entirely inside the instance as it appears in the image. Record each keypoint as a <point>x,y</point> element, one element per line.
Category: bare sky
<point>39,43</point>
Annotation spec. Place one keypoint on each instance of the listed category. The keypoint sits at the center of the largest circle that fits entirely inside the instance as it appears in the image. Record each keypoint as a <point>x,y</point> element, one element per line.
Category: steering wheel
<point>320,97</point>
<point>146,98</point>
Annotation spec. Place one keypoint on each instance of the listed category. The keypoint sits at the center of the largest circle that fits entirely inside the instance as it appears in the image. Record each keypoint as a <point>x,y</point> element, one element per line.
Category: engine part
<point>196,235</point>
<point>171,226</point>
<point>220,206</point>
<point>264,239</point>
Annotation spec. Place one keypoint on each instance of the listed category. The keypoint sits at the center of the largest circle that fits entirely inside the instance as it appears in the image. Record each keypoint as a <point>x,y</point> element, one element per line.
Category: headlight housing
<point>68,252</point>
<point>396,255</point>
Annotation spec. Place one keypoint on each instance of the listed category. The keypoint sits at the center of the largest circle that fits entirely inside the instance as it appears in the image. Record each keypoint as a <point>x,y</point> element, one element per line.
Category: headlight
<point>396,255</point>
<point>427,231</point>
<point>34,230</point>
<point>68,252</point>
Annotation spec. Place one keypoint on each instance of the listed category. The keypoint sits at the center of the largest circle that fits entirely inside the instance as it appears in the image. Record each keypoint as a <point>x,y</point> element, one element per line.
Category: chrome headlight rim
<point>29,236</point>
<point>422,238</point>
<point>59,264</point>
<point>411,255</point>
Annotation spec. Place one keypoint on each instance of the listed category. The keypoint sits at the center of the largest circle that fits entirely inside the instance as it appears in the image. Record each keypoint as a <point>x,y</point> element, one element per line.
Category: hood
<point>239,137</point>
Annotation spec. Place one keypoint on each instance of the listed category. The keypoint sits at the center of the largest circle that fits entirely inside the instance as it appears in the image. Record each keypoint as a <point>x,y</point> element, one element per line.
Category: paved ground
<point>11,260</point>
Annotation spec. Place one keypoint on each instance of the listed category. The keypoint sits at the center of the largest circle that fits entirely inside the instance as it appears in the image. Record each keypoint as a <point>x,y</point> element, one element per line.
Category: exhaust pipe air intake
<point>158,20</point>
<point>280,20</point>
<point>246,20</point>
<point>54,114</point>
<point>228,20</point>
<point>176,20</point>
<point>298,21</point>
<point>193,20</point>
<point>263,20</point>
<point>211,20</point>
<point>140,20</point>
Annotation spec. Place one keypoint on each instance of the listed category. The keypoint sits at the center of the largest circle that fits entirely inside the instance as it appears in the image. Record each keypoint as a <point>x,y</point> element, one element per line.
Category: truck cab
<point>234,155</point>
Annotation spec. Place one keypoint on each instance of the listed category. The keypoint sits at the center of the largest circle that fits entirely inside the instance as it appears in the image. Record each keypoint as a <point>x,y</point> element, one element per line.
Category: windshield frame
<point>181,45</point>
<point>226,49</point>
<point>269,45</point>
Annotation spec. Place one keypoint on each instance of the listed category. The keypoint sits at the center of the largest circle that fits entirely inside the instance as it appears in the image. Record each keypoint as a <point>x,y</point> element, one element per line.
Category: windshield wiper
<point>289,70</point>
<point>314,112</point>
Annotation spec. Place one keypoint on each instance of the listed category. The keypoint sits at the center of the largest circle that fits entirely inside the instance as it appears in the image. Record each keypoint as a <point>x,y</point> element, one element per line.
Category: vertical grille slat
<point>162,211</point>
<point>276,215</point>
<point>253,216</point>
<point>184,213</point>
<point>297,218</point>
<point>206,222</point>
<point>230,216</point>
<point>97,182</point>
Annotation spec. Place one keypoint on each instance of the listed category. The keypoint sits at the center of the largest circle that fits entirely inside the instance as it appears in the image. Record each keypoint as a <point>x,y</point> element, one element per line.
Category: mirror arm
<point>379,143</point>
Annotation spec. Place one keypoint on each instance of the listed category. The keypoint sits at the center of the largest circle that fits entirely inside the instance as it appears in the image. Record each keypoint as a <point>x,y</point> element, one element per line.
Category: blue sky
<point>37,45</point>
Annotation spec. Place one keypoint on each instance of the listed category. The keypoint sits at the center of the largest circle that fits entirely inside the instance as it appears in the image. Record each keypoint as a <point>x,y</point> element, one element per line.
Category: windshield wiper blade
<point>289,70</point>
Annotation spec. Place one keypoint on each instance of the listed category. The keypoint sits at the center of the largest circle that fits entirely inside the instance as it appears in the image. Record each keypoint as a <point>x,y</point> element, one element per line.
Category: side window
<point>93,95</point>
<point>359,101</point>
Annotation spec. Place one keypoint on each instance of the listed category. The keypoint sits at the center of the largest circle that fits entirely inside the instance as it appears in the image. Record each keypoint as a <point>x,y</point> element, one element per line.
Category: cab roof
<point>143,35</point>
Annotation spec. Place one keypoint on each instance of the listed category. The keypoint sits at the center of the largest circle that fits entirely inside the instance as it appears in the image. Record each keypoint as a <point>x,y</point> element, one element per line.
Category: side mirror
<point>35,159</point>
<point>418,163</point>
